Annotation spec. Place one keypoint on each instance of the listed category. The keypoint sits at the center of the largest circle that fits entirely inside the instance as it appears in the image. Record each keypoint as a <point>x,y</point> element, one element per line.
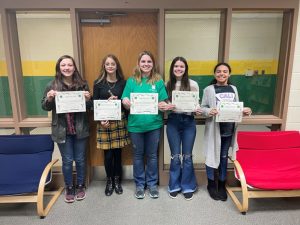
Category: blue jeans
<point>145,143</point>
<point>225,145</point>
<point>181,132</point>
<point>73,150</point>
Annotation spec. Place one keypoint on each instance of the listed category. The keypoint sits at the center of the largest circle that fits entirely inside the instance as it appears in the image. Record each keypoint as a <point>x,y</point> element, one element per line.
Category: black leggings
<point>113,162</point>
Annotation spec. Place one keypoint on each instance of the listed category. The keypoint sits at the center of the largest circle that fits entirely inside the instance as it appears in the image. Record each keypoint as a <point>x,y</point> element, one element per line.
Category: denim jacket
<point>59,123</point>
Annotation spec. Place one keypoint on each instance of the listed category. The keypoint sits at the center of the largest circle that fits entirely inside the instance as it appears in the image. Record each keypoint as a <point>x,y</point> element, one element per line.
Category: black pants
<point>113,162</point>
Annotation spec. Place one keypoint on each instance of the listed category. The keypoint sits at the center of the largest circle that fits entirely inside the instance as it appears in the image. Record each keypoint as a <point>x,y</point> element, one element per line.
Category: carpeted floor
<point>125,209</point>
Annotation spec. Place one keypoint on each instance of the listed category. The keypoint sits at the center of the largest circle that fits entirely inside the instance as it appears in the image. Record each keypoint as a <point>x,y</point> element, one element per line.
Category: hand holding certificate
<point>185,101</point>
<point>107,109</point>
<point>229,111</point>
<point>144,103</point>
<point>70,101</point>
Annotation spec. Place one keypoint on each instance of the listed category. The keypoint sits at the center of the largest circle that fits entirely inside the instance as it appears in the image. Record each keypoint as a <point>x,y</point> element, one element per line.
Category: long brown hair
<point>58,83</point>
<point>153,77</point>
<point>185,84</point>
<point>103,74</point>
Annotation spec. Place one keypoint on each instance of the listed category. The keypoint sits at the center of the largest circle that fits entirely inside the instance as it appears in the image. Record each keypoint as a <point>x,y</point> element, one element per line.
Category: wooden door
<point>126,36</point>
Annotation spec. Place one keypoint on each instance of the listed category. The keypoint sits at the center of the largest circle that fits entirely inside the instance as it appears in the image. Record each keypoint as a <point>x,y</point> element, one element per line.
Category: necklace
<point>111,86</point>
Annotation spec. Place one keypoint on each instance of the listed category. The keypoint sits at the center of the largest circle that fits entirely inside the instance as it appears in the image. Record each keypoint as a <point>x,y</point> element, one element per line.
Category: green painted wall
<point>5,104</point>
<point>34,89</point>
<point>257,92</point>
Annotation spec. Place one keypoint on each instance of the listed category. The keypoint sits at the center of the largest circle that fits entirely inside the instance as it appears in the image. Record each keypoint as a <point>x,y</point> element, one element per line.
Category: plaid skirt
<point>115,136</point>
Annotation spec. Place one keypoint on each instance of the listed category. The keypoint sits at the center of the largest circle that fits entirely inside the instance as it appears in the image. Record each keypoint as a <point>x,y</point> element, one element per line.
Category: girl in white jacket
<point>219,137</point>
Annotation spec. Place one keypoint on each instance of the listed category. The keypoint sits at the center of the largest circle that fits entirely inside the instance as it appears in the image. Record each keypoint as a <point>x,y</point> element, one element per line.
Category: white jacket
<point>212,137</point>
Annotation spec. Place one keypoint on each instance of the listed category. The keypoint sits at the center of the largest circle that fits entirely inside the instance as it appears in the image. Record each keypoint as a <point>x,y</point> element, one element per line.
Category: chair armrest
<point>41,189</point>
<point>245,194</point>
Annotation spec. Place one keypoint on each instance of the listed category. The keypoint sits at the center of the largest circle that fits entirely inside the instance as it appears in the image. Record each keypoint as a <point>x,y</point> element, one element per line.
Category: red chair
<point>267,165</point>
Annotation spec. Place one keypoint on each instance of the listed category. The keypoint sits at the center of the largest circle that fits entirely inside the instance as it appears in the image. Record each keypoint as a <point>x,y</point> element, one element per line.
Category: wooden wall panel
<point>125,37</point>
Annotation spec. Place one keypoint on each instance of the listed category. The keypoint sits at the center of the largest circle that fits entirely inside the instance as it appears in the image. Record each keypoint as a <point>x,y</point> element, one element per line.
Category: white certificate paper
<point>107,109</point>
<point>144,103</point>
<point>185,101</point>
<point>70,101</point>
<point>229,111</point>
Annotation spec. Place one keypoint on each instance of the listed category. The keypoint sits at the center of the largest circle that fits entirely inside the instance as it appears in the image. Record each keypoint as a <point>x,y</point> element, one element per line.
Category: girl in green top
<point>144,129</point>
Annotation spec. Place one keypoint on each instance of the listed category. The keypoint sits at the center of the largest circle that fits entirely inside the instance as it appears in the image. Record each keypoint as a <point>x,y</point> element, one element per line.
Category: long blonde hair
<point>153,77</point>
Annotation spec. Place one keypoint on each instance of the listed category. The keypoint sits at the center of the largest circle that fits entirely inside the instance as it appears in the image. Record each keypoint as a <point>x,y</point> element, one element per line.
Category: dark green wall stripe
<point>5,104</point>
<point>34,89</point>
<point>256,92</point>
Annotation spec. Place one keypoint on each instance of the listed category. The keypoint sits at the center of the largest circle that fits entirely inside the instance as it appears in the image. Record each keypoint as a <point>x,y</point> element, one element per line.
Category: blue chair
<point>25,169</point>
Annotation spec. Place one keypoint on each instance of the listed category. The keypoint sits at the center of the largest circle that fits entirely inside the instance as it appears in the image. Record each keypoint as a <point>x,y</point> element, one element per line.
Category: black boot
<point>222,190</point>
<point>118,187</point>
<point>212,189</point>
<point>109,189</point>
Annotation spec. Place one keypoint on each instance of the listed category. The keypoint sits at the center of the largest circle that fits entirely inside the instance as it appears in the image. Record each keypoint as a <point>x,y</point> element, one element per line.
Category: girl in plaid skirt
<point>112,135</point>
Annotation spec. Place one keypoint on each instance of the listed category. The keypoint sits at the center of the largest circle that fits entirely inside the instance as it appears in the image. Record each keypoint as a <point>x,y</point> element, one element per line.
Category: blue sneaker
<point>139,193</point>
<point>153,192</point>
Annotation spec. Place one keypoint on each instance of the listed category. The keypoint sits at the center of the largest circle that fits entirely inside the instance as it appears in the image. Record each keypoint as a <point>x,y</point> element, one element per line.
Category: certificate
<point>70,101</point>
<point>144,103</point>
<point>107,109</point>
<point>229,111</point>
<point>185,101</point>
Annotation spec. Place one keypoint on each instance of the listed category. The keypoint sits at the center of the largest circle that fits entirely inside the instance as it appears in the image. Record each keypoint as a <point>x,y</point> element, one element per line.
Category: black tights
<point>112,162</point>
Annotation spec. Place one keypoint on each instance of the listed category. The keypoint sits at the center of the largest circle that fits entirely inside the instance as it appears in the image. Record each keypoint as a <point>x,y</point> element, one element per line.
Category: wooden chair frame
<point>39,196</point>
<point>248,193</point>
